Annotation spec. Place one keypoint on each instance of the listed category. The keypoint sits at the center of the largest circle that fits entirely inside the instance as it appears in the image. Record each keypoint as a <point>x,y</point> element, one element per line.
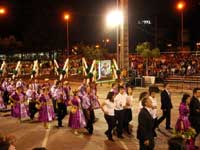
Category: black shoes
<point>109,137</point>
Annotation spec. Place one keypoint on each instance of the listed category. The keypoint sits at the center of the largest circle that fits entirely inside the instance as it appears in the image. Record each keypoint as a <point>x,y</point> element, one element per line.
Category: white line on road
<point>44,143</point>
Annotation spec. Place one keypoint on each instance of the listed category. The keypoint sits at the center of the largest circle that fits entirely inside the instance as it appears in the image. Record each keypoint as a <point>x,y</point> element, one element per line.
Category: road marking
<point>123,145</point>
<point>44,143</point>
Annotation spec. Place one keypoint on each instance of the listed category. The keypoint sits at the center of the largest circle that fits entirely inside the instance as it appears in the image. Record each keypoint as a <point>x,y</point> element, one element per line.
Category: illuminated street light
<point>2,11</point>
<point>67,17</point>
<point>114,18</point>
<point>180,7</point>
<point>107,40</point>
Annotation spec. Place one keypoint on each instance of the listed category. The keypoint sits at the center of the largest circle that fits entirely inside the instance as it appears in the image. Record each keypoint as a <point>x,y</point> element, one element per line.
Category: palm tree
<point>144,49</point>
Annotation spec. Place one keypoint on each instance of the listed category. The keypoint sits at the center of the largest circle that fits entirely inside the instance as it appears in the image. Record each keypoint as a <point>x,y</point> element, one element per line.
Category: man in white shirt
<point>120,103</point>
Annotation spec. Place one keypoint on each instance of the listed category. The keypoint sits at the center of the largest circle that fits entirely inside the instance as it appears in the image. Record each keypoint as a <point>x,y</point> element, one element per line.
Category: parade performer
<point>2,106</point>
<point>109,114</point>
<point>120,103</point>
<point>19,107</point>
<point>60,99</point>
<point>46,112</point>
<point>31,97</point>
<point>183,123</point>
<point>152,95</point>
<point>128,110</point>
<point>93,94</point>
<point>76,118</point>
<point>53,94</point>
<point>87,110</point>
<point>67,91</point>
<point>5,92</point>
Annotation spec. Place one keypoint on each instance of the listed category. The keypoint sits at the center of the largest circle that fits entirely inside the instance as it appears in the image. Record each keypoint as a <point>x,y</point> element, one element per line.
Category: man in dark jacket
<point>145,126</point>
<point>166,106</point>
<point>194,116</point>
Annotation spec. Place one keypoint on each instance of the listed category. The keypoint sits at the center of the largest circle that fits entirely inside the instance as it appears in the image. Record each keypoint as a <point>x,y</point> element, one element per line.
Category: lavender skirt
<point>77,120</point>
<point>19,110</point>
<point>46,113</point>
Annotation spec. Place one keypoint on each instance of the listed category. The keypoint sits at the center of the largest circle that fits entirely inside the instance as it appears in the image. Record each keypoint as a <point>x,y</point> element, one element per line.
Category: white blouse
<point>109,107</point>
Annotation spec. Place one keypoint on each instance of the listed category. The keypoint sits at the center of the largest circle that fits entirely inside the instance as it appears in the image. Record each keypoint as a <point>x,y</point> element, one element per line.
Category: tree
<point>146,51</point>
<point>10,42</point>
<point>91,52</point>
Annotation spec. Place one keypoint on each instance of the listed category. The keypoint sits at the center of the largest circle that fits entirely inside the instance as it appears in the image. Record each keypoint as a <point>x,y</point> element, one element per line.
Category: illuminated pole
<point>182,30</point>
<point>180,7</point>
<point>124,36</point>
<point>117,40</point>
<point>114,19</point>
<point>66,17</point>
<point>2,11</point>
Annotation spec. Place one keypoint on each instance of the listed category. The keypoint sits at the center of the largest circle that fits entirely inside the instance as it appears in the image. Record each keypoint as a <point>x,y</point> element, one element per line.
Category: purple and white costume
<point>46,112</point>
<point>77,119</point>
<point>19,108</point>
<point>2,106</point>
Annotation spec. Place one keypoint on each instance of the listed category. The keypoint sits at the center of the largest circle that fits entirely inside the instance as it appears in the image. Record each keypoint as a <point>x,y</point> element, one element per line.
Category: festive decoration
<point>59,70</point>
<point>33,72</point>
<point>15,72</point>
<point>90,75</point>
<point>118,72</point>
<point>63,72</point>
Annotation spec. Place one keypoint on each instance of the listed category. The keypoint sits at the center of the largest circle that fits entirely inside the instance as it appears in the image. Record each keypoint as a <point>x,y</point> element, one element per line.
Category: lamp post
<point>66,17</point>
<point>2,11</point>
<point>113,20</point>
<point>180,7</point>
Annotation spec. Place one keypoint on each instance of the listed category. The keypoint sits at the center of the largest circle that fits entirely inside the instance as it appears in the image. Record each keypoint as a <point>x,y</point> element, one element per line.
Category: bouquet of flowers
<point>186,134</point>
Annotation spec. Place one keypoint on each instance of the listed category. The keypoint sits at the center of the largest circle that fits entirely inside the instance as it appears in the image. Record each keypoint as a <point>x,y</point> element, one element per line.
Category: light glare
<point>114,18</point>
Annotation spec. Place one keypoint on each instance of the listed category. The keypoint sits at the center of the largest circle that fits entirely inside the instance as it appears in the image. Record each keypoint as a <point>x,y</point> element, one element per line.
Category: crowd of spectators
<point>182,64</point>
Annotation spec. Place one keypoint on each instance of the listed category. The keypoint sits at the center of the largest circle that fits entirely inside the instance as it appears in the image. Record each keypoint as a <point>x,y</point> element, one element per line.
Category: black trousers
<point>61,112</point>
<point>119,116</point>
<point>166,115</point>
<point>6,98</point>
<point>111,124</point>
<point>54,105</point>
<point>127,118</point>
<point>89,115</point>
<point>32,109</point>
<point>147,147</point>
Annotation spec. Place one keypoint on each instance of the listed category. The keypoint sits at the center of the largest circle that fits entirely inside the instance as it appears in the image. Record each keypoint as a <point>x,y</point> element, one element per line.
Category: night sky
<point>39,23</point>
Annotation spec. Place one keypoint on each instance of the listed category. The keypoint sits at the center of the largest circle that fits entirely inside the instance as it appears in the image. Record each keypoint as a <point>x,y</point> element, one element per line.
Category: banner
<point>104,69</point>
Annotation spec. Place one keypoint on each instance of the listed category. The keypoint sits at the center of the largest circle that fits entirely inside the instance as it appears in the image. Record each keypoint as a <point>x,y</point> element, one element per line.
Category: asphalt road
<point>32,134</point>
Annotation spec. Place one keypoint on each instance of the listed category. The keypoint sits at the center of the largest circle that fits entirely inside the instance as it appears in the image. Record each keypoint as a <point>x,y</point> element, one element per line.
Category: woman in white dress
<point>109,114</point>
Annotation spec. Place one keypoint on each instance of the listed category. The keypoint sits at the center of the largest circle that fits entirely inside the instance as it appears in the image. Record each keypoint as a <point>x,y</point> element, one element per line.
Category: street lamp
<point>2,11</point>
<point>180,7</point>
<point>113,20</point>
<point>67,17</point>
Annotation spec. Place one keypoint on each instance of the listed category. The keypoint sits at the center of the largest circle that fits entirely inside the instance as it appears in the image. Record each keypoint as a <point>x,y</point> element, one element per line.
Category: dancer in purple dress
<point>46,112</point>
<point>183,123</point>
<point>76,117</point>
<point>93,94</point>
<point>2,106</point>
<point>19,108</point>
